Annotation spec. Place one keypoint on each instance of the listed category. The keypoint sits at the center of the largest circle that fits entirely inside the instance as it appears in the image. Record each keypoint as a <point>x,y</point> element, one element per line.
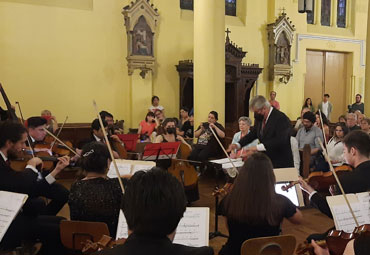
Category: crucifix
<point>282,9</point>
<point>227,32</point>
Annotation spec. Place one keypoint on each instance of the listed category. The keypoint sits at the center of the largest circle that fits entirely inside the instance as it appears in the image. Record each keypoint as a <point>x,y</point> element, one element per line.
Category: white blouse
<point>335,151</point>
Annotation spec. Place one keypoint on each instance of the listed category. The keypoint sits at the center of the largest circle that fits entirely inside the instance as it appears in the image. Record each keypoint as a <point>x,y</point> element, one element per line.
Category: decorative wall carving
<point>280,37</point>
<point>141,19</point>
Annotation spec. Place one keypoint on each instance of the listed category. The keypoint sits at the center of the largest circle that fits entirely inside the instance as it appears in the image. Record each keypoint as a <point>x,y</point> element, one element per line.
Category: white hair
<point>246,120</point>
<point>258,102</point>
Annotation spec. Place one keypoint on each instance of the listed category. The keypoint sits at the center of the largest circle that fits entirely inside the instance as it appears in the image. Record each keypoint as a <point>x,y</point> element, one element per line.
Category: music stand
<point>156,151</point>
<point>129,140</point>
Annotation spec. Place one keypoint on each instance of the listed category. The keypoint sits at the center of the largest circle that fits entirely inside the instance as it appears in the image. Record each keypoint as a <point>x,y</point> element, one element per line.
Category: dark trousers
<point>203,153</point>
<point>42,228</point>
<point>58,195</point>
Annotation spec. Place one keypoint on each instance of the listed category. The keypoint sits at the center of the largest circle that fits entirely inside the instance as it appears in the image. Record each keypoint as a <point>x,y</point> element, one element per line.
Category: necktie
<point>263,125</point>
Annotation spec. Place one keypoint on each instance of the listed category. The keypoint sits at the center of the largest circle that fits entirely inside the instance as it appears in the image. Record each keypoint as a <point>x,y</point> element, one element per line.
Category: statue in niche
<point>282,56</point>
<point>142,39</point>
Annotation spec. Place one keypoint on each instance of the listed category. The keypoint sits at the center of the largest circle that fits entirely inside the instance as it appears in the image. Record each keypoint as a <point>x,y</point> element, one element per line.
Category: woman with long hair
<point>253,208</point>
<point>335,145</point>
<point>325,124</point>
<point>308,104</point>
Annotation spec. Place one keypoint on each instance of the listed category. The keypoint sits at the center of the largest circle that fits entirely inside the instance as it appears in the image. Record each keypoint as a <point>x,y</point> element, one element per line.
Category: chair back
<point>272,245</point>
<point>74,234</point>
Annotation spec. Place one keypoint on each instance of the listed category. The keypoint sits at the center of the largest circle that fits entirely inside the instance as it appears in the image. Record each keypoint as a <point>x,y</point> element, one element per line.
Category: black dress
<point>97,200</point>
<point>241,231</point>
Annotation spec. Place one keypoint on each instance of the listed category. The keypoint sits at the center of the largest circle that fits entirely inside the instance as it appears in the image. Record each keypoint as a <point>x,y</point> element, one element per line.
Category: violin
<point>105,242</point>
<point>56,148</point>
<point>336,241</point>
<point>226,189</point>
<point>20,163</point>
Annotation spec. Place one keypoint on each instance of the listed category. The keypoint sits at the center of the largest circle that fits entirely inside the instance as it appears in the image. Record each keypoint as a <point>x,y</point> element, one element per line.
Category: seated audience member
<point>308,104</point>
<point>273,102</point>
<point>335,145</point>
<point>155,105</point>
<point>187,130</point>
<point>299,123</point>
<point>325,124</point>
<point>147,126</point>
<point>51,121</point>
<point>309,133</point>
<point>159,118</point>
<point>207,145</point>
<point>184,116</point>
<point>357,154</point>
<point>252,208</point>
<point>360,117</point>
<point>352,122</point>
<point>96,197</point>
<point>342,119</point>
<point>358,105</point>
<point>365,125</point>
<point>244,127</point>
<point>28,225</point>
<point>153,205</point>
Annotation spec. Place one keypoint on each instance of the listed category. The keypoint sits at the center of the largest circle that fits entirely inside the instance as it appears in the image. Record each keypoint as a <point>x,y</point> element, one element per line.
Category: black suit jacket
<point>275,137</point>
<point>353,182</point>
<point>140,245</point>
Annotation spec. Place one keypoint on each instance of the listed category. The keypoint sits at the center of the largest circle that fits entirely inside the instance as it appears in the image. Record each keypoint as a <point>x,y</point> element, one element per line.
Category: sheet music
<point>192,230</point>
<point>10,204</point>
<point>364,199</point>
<point>343,218</point>
<point>126,167</point>
<point>225,160</point>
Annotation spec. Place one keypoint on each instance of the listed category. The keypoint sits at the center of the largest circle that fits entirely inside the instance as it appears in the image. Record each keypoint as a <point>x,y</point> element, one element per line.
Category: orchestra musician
<point>153,205</point>
<point>97,135</point>
<point>29,224</point>
<point>273,129</point>
<point>252,208</point>
<point>35,126</point>
<point>356,152</point>
<point>96,197</point>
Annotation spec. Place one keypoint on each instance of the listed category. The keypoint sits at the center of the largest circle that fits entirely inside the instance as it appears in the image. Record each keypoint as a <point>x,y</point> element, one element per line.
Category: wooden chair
<point>272,245</point>
<point>74,234</point>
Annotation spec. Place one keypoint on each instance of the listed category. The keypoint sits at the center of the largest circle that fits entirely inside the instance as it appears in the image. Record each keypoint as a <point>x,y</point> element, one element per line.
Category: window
<point>325,12</point>
<point>311,15</point>
<point>230,6</point>
<point>341,13</point>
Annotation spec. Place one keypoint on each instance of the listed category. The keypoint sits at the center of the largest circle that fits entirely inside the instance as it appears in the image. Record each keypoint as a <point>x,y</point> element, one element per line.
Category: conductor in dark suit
<point>272,128</point>
<point>154,203</point>
<point>356,152</point>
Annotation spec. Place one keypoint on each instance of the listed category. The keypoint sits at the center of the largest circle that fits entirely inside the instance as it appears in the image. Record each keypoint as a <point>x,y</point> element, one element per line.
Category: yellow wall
<point>60,58</point>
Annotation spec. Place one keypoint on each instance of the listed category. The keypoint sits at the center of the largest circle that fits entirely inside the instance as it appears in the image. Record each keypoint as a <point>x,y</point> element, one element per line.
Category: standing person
<point>325,106</point>
<point>155,105</point>
<point>273,101</point>
<point>308,104</point>
<point>273,129</point>
<point>51,121</point>
<point>358,105</point>
<point>207,145</point>
<point>153,205</point>
<point>252,208</point>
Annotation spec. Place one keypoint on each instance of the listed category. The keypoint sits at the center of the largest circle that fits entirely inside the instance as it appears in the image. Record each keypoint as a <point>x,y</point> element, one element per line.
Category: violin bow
<point>235,171</point>
<point>61,142</point>
<point>60,130</point>
<point>109,147</point>
<point>323,131</point>
<point>338,182</point>
<point>28,135</point>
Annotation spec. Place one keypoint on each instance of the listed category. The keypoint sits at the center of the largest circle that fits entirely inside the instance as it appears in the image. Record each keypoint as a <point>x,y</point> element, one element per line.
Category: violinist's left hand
<point>318,249</point>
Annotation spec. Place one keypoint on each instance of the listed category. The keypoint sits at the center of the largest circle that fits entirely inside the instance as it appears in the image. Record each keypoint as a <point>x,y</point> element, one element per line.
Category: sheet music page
<point>136,168</point>
<point>123,168</point>
<point>10,204</point>
<point>229,165</point>
<point>225,160</point>
<point>193,227</point>
<point>192,230</point>
<point>364,199</point>
<point>343,218</point>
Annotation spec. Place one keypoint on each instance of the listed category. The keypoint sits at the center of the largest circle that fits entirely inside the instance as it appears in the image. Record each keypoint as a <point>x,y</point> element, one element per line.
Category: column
<point>209,59</point>
<point>366,97</point>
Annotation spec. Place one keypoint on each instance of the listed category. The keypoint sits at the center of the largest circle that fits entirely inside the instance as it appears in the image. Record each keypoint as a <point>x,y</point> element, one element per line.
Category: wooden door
<point>326,72</point>
<point>314,82</point>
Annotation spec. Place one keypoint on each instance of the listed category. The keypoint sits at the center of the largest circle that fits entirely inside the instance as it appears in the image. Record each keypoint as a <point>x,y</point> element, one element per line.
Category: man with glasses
<point>352,122</point>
